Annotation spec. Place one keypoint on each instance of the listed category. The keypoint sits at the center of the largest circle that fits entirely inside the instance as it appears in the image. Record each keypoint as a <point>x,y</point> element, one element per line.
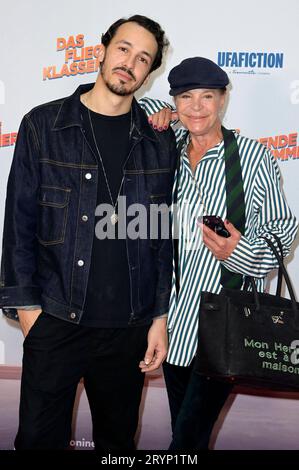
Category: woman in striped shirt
<point>199,89</point>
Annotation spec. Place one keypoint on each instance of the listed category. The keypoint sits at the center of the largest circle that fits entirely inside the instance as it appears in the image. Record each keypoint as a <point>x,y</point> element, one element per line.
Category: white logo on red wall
<point>79,59</point>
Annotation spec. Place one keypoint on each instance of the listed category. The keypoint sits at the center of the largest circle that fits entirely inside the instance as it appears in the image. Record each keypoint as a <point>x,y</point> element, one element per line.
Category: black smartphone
<point>215,223</point>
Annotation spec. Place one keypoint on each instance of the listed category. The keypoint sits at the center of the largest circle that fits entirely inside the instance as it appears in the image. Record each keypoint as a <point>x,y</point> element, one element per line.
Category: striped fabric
<point>204,192</point>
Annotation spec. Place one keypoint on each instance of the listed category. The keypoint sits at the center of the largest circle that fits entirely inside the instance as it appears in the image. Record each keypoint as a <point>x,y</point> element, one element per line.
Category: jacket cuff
<point>165,315</point>
<point>18,297</point>
<point>162,304</point>
<point>25,307</point>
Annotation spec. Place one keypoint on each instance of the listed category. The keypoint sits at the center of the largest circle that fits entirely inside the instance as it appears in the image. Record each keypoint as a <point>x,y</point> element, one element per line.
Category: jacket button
<point>88,176</point>
<point>73,316</point>
<point>84,218</point>
<point>80,262</point>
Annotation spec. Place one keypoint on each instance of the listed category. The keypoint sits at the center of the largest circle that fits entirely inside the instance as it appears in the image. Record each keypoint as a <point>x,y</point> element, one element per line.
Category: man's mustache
<point>124,69</point>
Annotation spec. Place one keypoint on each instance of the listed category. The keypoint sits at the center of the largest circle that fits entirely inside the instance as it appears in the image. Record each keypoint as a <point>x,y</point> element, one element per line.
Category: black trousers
<point>195,402</point>
<point>57,354</point>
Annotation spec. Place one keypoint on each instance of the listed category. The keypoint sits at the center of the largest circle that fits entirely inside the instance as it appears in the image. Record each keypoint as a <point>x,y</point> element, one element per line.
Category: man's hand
<point>161,120</point>
<point>221,247</point>
<point>157,344</point>
<point>27,319</point>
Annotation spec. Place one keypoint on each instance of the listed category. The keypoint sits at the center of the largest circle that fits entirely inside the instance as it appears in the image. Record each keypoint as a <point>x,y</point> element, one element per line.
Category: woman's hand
<point>161,120</point>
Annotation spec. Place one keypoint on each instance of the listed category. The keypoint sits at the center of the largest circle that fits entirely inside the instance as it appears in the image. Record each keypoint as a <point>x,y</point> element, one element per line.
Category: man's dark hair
<point>146,23</point>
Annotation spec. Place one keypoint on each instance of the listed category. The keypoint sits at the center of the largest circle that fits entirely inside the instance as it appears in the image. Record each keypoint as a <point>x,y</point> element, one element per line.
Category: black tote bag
<point>250,338</point>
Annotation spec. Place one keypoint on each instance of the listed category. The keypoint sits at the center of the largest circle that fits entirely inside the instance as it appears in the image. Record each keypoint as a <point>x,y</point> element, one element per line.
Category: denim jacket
<point>50,207</point>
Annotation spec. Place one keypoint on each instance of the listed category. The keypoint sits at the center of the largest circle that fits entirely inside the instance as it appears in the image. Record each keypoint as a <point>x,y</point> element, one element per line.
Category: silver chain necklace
<point>114,216</point>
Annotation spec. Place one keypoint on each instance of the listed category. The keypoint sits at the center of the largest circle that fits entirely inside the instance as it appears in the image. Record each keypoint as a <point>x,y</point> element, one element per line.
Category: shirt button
<point>84,218</point>
<point>80,262</point>
<point>88,176</point>
<point>73,316</point>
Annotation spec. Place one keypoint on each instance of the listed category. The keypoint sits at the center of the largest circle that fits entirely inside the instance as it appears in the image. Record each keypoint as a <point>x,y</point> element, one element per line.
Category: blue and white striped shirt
<point>204,192</point>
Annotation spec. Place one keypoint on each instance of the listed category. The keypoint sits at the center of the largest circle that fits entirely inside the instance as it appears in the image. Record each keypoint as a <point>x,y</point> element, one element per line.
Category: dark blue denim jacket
<point>50,207</point>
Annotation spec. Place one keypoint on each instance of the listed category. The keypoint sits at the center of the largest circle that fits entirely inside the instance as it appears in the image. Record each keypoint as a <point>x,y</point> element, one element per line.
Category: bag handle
<point>181,144</point>
<point>286,277</point>
<point>248,281</point>
<point>284,273</point>
<point>279,275</point>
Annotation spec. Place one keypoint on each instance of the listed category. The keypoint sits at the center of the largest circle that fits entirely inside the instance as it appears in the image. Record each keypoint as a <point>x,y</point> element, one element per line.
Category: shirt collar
<point>69,115</point>
<point>216,152</point>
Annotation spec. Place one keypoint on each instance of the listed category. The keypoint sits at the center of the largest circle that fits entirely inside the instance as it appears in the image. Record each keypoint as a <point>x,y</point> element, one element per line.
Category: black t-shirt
<point>108,301</point>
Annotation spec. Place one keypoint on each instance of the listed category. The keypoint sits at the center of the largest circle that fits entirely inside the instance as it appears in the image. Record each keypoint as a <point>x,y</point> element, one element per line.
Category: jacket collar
<point>69,115</point>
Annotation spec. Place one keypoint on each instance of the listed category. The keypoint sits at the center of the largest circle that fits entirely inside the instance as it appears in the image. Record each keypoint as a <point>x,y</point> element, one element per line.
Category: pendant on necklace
<point>114,218</point>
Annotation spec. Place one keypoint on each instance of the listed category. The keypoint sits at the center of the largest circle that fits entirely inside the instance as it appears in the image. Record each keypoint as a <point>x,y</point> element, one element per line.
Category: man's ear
<point>102,52</point>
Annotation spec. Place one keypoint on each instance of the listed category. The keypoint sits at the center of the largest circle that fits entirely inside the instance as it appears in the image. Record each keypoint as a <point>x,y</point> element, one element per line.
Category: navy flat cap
<point>196,72</point>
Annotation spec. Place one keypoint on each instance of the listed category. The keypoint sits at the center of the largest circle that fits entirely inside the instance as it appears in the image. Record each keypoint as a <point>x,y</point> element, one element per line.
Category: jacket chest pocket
<point>159,183</point>
<point>154,181</point>
<point>53,212</point>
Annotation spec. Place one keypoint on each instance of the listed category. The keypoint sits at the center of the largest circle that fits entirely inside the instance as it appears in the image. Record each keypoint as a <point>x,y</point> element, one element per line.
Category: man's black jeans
<point>57,354</point>
<point>195,402</point>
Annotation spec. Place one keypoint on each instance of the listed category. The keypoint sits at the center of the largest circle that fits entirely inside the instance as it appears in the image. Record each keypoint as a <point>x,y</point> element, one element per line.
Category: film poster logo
<point>251,63</point>
<point>79,59</point>
<point>284,147</point>
<point>7,139</point>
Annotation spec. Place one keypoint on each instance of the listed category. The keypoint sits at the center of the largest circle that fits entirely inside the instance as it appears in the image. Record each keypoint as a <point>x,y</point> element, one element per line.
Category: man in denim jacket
<point>88,306</point>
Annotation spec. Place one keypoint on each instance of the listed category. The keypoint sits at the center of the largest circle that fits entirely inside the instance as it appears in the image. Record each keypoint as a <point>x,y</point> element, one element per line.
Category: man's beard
<point>120,89</point>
